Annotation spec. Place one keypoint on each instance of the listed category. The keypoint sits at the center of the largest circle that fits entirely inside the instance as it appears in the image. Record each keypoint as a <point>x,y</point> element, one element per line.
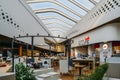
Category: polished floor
<point>67,76</point>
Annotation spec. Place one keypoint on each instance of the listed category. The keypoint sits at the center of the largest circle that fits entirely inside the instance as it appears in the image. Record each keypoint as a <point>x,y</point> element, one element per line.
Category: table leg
<point>80,72</point>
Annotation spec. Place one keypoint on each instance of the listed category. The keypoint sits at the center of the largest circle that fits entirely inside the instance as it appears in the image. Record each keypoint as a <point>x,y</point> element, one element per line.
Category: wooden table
<point>85,60</point>
<point>80,68</point>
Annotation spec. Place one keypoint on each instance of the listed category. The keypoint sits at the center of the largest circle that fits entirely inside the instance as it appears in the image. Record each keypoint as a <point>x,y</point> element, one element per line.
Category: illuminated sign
<point>105,46</point>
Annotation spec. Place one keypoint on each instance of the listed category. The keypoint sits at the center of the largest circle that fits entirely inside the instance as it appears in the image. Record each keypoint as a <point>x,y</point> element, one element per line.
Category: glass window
<point>86,3</point>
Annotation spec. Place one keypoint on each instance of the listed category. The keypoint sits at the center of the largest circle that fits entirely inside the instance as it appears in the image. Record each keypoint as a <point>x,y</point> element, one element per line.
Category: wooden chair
<point>86,71</point>
<point>72,70</point>
<point>90,64</point>
<point>80,67</point>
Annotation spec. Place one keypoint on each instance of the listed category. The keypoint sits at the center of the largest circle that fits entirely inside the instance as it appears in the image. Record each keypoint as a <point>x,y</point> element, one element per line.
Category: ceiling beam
<point>57,18</point>
<point>58,30</point>
<point>59,27</point>
<point>80,6</point>
<point>94,2</point>
<point>49,23</point>
<point>56,22</point>
<point>57,3</point>
<point>55,11</point>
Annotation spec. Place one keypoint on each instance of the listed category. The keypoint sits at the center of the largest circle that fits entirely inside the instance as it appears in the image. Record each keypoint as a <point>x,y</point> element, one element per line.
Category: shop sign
<point>84,41</point>
<point>81,42</point>
<point>105,46</point>
<point>87,38</point>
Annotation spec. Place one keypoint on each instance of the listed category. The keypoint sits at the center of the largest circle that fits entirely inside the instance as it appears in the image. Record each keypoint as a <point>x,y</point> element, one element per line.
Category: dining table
<point>84,61</point>
<point>80,67</point>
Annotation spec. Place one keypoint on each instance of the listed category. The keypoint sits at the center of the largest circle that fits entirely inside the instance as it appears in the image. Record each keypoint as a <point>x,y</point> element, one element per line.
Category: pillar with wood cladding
<point>20,50</point>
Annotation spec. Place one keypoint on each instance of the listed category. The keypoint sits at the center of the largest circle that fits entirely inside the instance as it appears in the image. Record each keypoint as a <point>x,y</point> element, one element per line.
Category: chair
<point>90,64</point>
<point>80,67</point>
<point>86,71</point>
<point>55,62</point>
<point>71,70</point>
<point>71,67</point>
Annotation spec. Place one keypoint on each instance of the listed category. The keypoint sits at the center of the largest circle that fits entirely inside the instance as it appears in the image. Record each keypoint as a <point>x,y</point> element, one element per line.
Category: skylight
<point>89,5</point>
<point>59,16</point>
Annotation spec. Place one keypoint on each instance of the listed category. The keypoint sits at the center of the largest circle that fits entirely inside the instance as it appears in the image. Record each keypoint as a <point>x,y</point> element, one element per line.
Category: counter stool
<point>72,70</point>
<point>90,65</point>
<point>80,67</point>
<point>86,71</point>
<point>55,62</point>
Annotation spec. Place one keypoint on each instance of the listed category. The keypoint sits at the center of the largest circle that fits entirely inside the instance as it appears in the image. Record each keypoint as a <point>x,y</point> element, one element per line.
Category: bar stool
<point>72,70</point>
<point>90,65</point>
<point>55,62</point>
<point>80,68</point>
<point>86,71</point>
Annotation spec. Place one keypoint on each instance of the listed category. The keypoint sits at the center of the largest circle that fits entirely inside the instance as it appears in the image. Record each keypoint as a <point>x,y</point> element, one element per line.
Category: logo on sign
<point>105,46</point>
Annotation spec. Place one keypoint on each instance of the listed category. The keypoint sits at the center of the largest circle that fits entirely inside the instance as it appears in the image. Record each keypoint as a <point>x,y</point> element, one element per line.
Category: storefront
<point>99,41</point>
<point>116,47</point>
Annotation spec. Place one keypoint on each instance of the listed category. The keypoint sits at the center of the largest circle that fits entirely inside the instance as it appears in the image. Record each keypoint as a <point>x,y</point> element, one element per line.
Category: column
<point>20,50</point>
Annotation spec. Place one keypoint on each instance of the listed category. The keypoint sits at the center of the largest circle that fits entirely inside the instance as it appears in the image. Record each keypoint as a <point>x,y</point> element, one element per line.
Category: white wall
<point>109,32</point>
<point>94,19</point>
<point>23,16</point>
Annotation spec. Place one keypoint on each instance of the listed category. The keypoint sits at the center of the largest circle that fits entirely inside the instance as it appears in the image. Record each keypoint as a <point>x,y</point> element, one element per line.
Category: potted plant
<point>24,73</point>
<point>97,74</point>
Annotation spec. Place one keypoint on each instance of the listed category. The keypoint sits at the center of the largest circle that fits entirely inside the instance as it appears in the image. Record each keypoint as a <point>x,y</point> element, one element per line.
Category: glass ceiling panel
<point>89,5</point>
<point>56,21</point>
<point>55,14</point>
<point>97,0</point>
<point>57,26</point>
<point>57,29</point>
<point>56,33</point>
<point>45,5</point>
<point>72,6</point>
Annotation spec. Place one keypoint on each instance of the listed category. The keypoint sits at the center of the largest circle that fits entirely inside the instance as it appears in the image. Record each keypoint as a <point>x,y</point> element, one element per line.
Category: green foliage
<point>23,73</point>
<point>99,72</point>
<point>79,78</point>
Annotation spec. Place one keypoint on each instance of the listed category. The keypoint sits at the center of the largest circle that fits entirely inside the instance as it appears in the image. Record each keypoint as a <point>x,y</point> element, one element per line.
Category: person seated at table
<point>36,65</point>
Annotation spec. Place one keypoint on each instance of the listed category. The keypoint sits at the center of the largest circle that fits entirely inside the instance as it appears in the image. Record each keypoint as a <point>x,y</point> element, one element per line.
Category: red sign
<point>87,38</point>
